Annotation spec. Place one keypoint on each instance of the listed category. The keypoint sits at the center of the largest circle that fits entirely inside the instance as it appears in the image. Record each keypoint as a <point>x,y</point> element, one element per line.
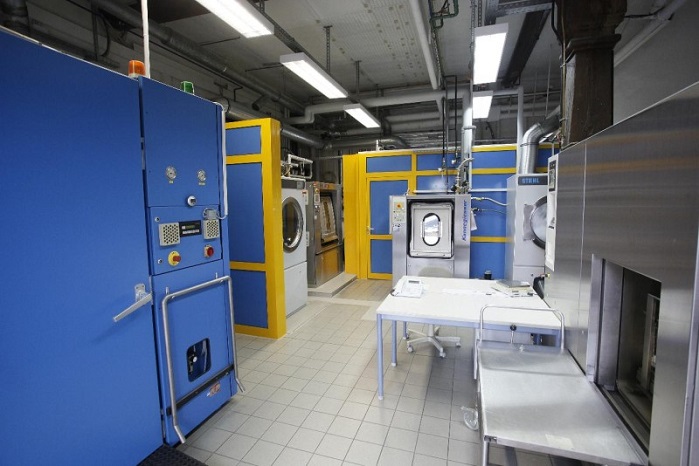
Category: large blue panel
<point>542,157</point>
<point>436,183</point>
<point>250,298</point>
<point>381,256</point>
<point>243,141</point>
<point>434,161</point>
<point>77,388</point>
<point>245,214</point>
<point>495,159</point>
<point>397,163</point>
<point>380,192</point>
<point>498,181</point>
<point>490,218</point>
<point>487,256</point>
<point>182,132</point>
<point>192,318</point>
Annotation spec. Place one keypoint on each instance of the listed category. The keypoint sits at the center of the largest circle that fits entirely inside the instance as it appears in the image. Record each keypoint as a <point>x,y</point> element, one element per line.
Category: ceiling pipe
<point>237,112</point>
<point>393,141</point>
<point>195,52</point>
<point>530,141</point>
<point>17,17</point>
<point>395,99</point>
<point>660,20</point>
<point>422,36</point>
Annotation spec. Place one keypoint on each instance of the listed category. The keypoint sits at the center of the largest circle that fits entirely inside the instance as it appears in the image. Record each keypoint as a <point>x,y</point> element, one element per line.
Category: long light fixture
<point>481,104</point>
<point>490,42</point>
<point>241,16</point>
<point>309,71</point>
<point>362,115</point>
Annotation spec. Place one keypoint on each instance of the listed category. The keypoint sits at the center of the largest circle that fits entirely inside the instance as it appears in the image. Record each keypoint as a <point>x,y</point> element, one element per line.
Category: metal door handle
<point>168,351</point>
<point>142,298</point>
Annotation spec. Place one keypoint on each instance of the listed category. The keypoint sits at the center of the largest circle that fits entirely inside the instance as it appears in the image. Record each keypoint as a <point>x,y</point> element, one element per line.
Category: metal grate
<point>169,234</point>
<point>168,456</point>
<point>211,229</point>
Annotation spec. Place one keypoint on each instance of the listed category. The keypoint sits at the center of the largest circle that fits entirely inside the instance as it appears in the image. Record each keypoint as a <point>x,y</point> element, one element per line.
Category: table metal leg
<point>510,456</point>
<point>394,347</point>
<point>484,455</point>
<point>379,352</point>
<point>405,330</point>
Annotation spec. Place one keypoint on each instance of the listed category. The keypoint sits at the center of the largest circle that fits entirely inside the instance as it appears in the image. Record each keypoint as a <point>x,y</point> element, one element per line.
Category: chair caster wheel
<point>458,345</point>
<point>442,355</point>
<point>410,349</point>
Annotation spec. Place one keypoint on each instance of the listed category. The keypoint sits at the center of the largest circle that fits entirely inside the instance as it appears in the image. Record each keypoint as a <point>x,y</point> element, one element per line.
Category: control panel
<point>183,236</point>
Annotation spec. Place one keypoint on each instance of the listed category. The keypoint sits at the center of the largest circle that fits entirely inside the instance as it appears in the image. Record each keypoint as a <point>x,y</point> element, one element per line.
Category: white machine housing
<point>526,226</point>
<point>294,201</point>
<point>431,235</point>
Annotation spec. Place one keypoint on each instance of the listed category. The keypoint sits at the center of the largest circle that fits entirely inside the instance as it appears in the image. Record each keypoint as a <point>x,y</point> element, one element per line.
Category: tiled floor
<point>310,397</point>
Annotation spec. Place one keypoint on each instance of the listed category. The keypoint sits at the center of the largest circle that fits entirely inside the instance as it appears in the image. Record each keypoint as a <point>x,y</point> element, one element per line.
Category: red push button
<point>208,251</point>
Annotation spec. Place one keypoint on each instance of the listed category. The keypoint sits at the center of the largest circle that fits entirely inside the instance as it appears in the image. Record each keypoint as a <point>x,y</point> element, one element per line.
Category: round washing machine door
<point>292,224</point>
<point>537,222</point>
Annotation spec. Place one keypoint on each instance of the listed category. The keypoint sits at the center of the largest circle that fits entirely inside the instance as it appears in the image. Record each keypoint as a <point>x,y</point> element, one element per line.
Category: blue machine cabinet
<point>77,388</point>
<point>183,147</point>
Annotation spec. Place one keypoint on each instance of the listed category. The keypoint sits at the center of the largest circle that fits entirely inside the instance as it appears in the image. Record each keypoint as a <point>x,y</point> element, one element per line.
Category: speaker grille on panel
<point>169,233</point>
<point>211,229</point>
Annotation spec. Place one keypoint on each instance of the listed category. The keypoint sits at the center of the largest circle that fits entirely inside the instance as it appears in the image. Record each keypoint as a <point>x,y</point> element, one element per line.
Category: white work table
<point>537,398</point>
<point>458,302</point>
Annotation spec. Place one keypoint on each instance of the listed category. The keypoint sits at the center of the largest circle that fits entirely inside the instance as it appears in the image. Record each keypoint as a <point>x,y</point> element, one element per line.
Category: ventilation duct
<point>530,141</point>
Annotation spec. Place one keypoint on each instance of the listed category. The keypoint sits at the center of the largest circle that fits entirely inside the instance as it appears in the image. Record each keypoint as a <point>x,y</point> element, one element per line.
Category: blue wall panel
<point>498,181</point>
<point>491,221</point>
<point>435,183</point>
<point>250,298</point>
<point>434,161</point>
<point>542,157</point>
<point>381,256</point>
<point>245,215</point>
<point>398,163</point>
<point>499,159</point>
<point>243,141</point>
<point>488,256</point>
<point>380,192</point>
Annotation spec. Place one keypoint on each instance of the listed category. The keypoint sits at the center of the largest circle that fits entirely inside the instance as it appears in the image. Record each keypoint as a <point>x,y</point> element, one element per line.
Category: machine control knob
<point>174,258</point>
<point>191,201</point>
<point>170,173</point>
<point>201,176</point>
<point>208,251</point>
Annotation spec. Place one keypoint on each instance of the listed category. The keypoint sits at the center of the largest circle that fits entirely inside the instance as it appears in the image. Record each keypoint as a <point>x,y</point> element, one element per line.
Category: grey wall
<point>668,62</point>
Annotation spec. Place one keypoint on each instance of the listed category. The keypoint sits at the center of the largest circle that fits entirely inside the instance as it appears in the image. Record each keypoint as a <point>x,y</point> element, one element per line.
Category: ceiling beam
<point>534,23</point>
<point>496,8</point>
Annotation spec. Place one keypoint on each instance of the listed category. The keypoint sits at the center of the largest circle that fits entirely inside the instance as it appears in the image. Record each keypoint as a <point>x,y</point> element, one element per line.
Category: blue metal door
<point>380,235</point>
<point>77,388</point>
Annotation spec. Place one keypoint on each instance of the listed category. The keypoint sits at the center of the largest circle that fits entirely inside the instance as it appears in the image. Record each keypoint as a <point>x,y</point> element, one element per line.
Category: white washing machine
<point>294,201</point>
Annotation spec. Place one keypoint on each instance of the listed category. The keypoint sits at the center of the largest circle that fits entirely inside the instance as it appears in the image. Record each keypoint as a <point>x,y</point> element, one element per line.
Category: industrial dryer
<point>526,226</point>
<point>325,240</point>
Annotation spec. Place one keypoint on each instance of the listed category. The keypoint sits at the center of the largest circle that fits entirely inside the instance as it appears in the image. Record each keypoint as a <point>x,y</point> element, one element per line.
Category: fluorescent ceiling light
<point>481,104</point>
<point>490,42</point>
<point>309,71</point>
<point>362,115</point>
<point>241,16</point>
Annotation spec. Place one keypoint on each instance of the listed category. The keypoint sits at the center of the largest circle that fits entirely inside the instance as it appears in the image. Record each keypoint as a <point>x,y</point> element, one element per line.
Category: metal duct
<point>396,141</point>
<point>194,52</point>
<point>235,111</point>
<point>530,141</point>
<point>384,101</point>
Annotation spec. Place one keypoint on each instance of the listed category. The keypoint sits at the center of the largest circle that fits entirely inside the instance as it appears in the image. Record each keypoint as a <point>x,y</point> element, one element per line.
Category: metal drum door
<point>77,388</point>
<point>292,224</point>
<point>379,231</point>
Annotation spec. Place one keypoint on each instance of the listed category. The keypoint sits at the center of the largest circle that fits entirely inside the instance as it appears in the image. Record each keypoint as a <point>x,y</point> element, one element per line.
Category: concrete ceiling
<point>382,35</point>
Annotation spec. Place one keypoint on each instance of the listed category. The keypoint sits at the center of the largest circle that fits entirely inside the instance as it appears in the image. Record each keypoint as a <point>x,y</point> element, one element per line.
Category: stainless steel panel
<point>326,265</point>
<point>425,218</point>
<point>324,252</point>
<point>521,249</point>
<point>630,195</point>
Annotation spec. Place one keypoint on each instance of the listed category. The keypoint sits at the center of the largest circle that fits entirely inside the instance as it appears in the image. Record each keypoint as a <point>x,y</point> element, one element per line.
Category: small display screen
<point>190,228</point>
<point>541,180</point>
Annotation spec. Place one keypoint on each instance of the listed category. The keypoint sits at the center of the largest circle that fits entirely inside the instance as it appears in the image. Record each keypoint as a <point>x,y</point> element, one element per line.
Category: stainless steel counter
<point>537,399</point>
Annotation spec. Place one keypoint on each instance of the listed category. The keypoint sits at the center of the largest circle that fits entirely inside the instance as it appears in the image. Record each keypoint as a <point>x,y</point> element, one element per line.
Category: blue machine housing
<point>183,138</point>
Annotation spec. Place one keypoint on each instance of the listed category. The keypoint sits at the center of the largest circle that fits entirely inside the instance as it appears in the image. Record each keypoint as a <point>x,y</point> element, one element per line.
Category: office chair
<point>431,337</point>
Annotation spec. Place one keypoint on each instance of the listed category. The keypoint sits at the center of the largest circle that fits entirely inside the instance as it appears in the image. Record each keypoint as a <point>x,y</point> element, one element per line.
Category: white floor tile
<point>211,440</point>
<point>372,433</point>
<point>334,446</point>
<point>254,427</point>
<point>401,439</point>
<point>432,445</point>
<point>237,446</point>
<point>263,453</point>
<point>394,457</point>
<point>306,439</point>
<point>344,427</point>
<point>366,454</point>
<point>293,416</point>
<point>318,421</point>
<point>291,457</point>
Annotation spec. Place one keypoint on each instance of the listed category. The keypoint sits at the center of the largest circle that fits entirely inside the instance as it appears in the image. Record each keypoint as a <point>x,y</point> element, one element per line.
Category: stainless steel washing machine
<point>294,201</point>
<point>526,226</point>
<point>325,253</point>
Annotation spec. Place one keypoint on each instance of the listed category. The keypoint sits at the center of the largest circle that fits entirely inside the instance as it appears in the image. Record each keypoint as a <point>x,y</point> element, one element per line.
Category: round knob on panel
<point>191,201</point>
<point>174,258</point>
<point>208,251</point>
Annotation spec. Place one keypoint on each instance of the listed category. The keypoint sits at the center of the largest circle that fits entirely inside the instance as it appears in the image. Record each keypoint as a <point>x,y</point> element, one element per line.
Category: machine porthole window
<point>431,229</point>
<point>292,224</point>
